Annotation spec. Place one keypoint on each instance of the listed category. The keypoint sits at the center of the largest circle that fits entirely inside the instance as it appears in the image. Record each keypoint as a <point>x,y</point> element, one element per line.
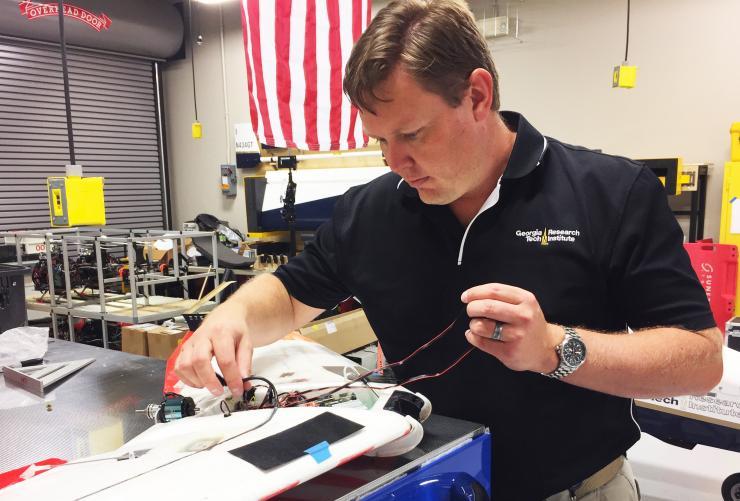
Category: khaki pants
<point>621,488</point>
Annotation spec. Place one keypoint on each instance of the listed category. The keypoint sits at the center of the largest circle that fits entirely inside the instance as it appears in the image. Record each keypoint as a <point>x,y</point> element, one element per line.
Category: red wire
<point>430,376</point>
<point>422,347</point>
<point>400,362</point>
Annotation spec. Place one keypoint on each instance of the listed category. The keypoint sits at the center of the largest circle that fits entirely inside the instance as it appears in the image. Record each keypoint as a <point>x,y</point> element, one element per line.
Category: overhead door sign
<point>32,11</point>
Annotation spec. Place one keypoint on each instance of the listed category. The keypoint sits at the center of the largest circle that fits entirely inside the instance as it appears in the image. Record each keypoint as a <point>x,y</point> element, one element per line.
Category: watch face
<point>574,352</point>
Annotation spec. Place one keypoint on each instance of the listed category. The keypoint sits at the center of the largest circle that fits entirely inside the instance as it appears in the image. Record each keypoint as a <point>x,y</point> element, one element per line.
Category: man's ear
<point>481,92</point>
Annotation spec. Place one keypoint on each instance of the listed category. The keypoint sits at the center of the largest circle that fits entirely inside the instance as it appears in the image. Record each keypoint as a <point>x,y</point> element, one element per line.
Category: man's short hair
<point>436,41</point>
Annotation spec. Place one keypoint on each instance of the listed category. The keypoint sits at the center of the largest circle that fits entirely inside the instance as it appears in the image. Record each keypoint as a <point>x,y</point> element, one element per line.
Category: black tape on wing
<point>292,443</point>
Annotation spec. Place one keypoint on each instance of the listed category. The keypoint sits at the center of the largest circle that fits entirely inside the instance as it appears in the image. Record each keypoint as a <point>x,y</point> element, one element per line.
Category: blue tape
<point>320,452</point>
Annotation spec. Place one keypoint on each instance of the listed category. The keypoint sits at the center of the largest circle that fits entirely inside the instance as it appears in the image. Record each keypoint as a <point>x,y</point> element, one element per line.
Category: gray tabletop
<point>90,412</point>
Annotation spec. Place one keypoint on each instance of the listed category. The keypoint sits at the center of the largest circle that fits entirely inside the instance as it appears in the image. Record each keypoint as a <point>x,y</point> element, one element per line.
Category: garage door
<point>114,114</point>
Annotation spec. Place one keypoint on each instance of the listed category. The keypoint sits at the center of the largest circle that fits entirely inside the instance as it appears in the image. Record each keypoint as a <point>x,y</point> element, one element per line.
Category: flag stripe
<point>267,22</point>
<point>335,63</point>
<point>345,15</point>
<point>368,15</point>
<point>356,32</point>
<point>297,82</point>
<point>254,38</point>
<point>309,71</point>
<point>323,75</point>
<point>283,89</point>
<point>253,115</point>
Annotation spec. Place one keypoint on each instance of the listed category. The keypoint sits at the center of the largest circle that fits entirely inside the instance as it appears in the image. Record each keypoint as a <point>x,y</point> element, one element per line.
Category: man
<point>543,253</point>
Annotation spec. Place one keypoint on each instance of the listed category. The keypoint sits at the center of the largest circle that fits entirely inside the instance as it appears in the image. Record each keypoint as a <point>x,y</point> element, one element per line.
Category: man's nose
<point>398,158</point>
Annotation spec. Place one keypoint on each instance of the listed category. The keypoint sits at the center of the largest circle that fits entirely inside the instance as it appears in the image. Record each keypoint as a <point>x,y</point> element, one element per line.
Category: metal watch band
<point>563,369</point>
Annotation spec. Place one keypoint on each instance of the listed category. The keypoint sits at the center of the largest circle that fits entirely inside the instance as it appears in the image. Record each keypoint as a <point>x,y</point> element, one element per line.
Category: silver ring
<point>498,331</point>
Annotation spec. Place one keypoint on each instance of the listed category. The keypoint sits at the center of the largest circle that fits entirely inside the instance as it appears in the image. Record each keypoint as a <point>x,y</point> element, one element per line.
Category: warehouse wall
<point>559,77</point>
<point>194,163</point>
<point>687,83</point>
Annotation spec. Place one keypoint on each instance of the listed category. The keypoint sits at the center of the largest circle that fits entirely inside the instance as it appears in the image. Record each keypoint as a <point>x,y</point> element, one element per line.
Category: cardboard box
<point>163,340</point>
<point>134,338</point>
<point>341,333</point>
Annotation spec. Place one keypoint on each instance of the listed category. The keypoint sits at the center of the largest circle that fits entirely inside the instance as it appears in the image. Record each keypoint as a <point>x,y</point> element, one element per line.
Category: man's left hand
<point>527,341</point>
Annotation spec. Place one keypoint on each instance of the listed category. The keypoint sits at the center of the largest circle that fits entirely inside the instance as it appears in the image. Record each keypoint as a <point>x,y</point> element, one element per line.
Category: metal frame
<point>698,173</point>
<point>124,239</point>
<point>697,210</point>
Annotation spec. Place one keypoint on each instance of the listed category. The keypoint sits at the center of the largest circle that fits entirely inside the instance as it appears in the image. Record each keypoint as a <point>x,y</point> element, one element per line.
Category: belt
<point>598,479</point>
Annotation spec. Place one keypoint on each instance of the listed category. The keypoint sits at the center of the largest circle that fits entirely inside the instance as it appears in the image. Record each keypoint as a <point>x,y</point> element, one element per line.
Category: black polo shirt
<point>591,235</point>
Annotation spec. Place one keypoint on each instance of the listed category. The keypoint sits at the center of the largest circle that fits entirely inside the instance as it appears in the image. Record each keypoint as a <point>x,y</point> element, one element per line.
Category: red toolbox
<point>716,267</point>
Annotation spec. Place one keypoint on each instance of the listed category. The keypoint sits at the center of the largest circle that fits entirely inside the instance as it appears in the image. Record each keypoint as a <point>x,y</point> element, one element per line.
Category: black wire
<point>65,77</point>
<point>192,54</point>
<point>226,412</point>
<point>627,44</point>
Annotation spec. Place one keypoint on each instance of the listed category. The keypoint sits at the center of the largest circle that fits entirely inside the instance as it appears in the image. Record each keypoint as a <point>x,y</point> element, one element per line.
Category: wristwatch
<point>571,353</point>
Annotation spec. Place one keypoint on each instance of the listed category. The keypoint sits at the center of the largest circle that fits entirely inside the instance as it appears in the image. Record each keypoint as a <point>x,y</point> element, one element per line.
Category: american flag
<point>296,51</point>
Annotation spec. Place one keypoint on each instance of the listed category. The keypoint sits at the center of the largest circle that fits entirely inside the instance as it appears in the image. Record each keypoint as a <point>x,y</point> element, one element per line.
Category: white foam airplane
<point>255,453</point>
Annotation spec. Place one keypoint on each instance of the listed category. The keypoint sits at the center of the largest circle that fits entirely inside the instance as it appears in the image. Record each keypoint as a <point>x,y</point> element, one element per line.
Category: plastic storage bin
<point>716,267</point>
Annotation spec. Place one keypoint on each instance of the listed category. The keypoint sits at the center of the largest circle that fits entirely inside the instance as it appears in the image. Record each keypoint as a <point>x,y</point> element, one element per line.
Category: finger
<point>202,353</point>
<point>491,347</point>
<point>244,360</point>
<point>501,292</point>
<point>493,310</point>
<point>225,351</point>
<point>188,379</point>
<point>183,368</point>
<point>484,327</point>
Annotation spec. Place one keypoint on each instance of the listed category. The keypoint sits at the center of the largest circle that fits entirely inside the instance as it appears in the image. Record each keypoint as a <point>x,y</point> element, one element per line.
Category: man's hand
<point>527,340</point>
<point>259,313</point>
<point>224,333</point>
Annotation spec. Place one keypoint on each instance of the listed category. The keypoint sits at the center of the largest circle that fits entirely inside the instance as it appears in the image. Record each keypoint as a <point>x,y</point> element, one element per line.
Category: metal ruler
<point>37,378</point>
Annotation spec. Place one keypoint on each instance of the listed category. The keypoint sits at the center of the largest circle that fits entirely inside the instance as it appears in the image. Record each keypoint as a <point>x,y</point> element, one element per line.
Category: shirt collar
<point>529,148</point>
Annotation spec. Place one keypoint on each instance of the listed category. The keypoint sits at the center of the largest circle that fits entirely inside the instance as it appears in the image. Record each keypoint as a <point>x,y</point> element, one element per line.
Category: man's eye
<point>411,136</point>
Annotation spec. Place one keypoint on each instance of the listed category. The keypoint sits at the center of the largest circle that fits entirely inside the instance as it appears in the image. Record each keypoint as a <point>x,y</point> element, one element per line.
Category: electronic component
<point>345,399</point>
<point>174,406</point>
<point>405,404</point>
<point>228,180</point>
<point>196,130</point>
<point>82,271</point>
<point>624,76</point>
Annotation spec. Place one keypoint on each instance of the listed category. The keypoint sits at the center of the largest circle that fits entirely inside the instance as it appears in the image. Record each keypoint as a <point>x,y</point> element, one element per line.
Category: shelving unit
<point>140,304</point>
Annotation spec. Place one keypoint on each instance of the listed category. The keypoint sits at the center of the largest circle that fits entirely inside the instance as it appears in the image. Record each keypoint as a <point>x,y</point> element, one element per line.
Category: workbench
<point>93,411</point>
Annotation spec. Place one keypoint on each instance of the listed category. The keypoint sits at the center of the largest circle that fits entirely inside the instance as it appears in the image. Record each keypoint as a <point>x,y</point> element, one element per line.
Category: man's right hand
<point>259,313</point>
<point>225,334</point>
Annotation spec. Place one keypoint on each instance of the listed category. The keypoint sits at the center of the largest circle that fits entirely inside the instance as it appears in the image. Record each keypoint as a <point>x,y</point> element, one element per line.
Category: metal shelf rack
<point>138,305</point>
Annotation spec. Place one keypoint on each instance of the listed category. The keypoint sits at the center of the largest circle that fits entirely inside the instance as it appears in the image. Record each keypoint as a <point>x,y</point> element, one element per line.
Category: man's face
<point>425,140</point>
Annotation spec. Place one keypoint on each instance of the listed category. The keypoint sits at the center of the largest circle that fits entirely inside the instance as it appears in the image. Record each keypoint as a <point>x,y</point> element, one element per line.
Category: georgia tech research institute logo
<point>548,235</point>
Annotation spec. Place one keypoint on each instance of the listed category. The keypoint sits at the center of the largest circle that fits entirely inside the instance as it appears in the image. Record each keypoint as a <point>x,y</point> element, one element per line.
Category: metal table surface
<point>90,412</point>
